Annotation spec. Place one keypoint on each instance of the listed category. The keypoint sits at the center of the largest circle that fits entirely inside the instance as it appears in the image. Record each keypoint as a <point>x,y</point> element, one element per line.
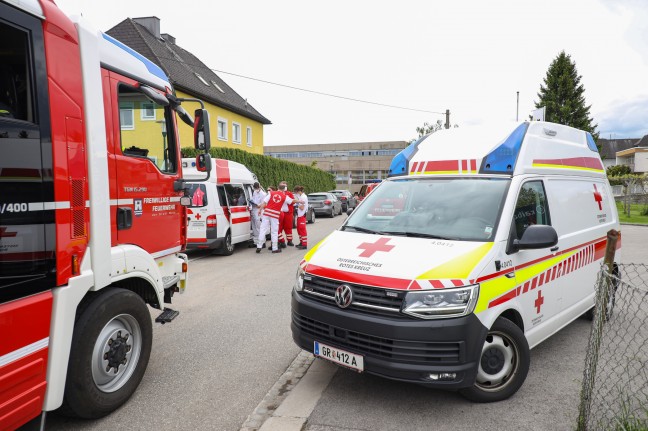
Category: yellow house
<point>234,122</point>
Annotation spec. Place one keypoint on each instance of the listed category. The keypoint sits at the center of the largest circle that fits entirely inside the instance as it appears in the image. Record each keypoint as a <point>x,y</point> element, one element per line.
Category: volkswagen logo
<point>343,296</point>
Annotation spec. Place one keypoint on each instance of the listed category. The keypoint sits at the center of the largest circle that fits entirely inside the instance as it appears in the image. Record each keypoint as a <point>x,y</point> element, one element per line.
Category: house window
<point>248,137</point>
<point>126,117</point>
<point>202,79</point>
<point>217,86</point>
<point>236,133</point>
<point>148,111</point>
<point>222,129</point>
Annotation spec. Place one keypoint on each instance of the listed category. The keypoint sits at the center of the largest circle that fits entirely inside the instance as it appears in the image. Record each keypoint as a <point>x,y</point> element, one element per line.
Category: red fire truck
<point>92,220</point>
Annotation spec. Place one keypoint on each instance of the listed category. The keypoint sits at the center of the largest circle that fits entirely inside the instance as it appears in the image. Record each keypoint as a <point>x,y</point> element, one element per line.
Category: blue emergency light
<point>400,162</point>
<point>503,158</point>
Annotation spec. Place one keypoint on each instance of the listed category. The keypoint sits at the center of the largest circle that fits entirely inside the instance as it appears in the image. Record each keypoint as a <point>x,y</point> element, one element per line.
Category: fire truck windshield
<point>464,209</point>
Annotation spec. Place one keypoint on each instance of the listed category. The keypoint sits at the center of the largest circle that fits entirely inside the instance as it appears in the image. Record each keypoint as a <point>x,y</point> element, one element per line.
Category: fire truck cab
<point>90,175</point>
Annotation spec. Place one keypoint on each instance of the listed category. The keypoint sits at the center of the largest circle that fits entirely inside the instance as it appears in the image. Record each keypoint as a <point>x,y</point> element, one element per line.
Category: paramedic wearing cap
<point>255,201</point>
<point>302,209</point>
<point>271,209</point>
<point>286,218</point>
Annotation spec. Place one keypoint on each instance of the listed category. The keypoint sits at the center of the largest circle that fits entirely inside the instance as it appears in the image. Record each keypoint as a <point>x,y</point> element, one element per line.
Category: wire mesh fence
<point>614,394</point>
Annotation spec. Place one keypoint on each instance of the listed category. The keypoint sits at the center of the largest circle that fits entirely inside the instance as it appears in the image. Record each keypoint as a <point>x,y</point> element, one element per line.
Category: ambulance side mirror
<point>203,162</point>
<point>201,130</point>
<point>536,236</point>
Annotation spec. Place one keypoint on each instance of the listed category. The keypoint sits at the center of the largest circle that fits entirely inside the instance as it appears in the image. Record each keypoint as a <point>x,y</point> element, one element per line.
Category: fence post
<point>600,316</point>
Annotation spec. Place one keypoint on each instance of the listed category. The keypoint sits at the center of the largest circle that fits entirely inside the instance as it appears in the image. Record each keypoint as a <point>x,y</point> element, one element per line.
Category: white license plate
<point>340,357</point>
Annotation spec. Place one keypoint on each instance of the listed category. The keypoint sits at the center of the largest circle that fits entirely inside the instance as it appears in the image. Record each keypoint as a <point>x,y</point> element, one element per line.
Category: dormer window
<point>202,79</point>
<point>217,86</point>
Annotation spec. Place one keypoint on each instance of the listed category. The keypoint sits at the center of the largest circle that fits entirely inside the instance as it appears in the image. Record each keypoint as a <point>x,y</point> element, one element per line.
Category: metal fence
<point>614,394</point>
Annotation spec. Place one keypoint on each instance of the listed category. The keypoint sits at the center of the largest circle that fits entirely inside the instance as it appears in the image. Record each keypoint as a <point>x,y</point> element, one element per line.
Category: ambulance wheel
<point>228,248</point>
<point>503,365</point>
<point>111,346</point>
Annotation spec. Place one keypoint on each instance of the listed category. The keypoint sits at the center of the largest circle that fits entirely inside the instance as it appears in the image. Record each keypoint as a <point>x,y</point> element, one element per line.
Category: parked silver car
<point>346,199</point>
<point>325,204</point>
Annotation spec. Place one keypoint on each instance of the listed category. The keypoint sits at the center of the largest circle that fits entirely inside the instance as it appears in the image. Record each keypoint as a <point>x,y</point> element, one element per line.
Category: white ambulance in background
<point>219,215</point>
<point>482,243</point>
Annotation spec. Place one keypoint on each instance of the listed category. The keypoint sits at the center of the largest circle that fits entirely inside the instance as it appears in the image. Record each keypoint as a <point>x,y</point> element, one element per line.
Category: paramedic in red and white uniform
<point>271,210</point>
<point>302,210</point>
<point>286,219</point>
<point>255,201</point>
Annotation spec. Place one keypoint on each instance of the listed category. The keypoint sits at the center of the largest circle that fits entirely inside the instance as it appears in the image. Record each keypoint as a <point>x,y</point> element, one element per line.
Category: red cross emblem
<point>7,234</point>
<point>539,301</point>
<point>276,198</point>
<point>371,248</point>
<point>598,198</point>
<point>198,216</point>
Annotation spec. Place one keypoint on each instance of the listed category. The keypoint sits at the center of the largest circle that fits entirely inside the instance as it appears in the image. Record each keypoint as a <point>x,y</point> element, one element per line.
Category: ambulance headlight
<point>299,280</point>
<point>441,303</point>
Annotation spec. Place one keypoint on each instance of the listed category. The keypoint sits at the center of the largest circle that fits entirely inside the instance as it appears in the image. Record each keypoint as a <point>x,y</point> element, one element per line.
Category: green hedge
<point>270,171</point>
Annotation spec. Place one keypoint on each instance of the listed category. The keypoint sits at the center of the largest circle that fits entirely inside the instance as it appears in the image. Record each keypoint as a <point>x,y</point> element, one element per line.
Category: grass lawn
<point>635,214</point>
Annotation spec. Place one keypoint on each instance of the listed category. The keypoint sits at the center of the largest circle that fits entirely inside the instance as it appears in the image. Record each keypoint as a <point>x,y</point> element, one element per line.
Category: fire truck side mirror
<point>203,163</point>
<point>201,130</point>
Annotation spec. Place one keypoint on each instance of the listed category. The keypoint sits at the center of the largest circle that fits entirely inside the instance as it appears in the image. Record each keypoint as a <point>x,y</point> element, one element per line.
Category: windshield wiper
<point>418,235</point>
<point>361,229</point>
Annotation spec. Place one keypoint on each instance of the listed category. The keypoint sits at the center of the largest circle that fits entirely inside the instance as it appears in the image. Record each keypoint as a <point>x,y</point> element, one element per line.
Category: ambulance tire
<point>110,314</point>
<point>228,248</point>
<point>507,347</point>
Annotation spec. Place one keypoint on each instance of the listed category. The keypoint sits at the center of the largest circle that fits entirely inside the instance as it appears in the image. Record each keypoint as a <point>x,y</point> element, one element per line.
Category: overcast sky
<point>468,56</point>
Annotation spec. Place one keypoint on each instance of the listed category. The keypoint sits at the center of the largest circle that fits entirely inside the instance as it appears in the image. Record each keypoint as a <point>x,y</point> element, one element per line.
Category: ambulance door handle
<point>552,249</point>
<point>510,275</point>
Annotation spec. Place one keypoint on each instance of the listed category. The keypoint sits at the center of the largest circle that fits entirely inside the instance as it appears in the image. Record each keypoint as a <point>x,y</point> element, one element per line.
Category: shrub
<point>271,171</point>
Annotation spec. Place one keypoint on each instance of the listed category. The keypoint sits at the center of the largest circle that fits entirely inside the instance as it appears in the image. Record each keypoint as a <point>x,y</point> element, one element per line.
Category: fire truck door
<point>147,210</point>
<point>28,209</point>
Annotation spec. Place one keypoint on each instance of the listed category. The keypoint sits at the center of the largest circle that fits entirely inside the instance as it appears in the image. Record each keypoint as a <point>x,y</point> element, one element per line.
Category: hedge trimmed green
<point>271,171</point>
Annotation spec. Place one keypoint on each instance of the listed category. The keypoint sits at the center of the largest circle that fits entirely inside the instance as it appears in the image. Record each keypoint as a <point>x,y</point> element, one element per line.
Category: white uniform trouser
<point>272,225</point>
<point>256,224</point>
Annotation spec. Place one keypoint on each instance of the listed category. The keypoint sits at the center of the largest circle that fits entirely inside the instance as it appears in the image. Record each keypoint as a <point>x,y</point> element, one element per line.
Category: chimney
<point>168,38</point>
<point>151,23</point>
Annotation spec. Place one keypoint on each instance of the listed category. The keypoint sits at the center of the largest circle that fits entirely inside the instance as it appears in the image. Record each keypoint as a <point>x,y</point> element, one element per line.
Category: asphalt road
<point>548,400</point>
<point>212,365</point>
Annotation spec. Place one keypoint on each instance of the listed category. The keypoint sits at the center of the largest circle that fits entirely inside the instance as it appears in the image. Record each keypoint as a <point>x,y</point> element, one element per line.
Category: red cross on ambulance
<point>371,248</point>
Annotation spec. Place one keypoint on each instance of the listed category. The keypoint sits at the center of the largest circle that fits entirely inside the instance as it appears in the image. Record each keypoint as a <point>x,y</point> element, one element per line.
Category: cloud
<point>624,119</point>
<point>637,31</point>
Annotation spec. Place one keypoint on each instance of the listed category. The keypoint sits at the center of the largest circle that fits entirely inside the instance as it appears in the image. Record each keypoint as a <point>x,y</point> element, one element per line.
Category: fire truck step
<point>167,316</point>
<point>170,281</point>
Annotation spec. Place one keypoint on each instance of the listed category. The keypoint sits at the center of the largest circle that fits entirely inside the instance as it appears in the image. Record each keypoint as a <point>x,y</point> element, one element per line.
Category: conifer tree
<point>562,96</point>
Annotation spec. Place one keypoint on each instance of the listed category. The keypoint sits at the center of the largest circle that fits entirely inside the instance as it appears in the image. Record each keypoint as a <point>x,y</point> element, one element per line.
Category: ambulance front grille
<point>369,345</point>
<point>369,299</point>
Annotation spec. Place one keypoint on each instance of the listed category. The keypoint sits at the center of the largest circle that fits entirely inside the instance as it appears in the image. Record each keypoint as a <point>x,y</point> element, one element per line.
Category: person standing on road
<point>257,198</point>
<point>286,218</point>
<point>271,210</point>
<point>302,210</point>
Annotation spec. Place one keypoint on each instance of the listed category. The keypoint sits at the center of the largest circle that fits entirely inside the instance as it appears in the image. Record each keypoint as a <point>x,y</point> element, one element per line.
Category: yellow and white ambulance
<point>219,215</point>
<point>482,243</point>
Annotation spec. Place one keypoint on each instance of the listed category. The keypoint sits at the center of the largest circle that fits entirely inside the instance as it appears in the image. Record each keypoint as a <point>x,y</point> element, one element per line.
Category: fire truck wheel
<point>228,248</point>
<point>503,365</point>
<point>111,346</point>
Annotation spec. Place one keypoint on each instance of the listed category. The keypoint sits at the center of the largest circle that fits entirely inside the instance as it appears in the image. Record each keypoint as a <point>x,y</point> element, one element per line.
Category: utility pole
<point>447,124</point>
<point>517,108</point>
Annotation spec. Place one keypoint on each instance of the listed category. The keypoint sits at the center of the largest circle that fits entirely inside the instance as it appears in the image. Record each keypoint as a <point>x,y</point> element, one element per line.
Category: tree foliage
<point>271,171</point>
<point>618,170</point>
<point>562,94</point>
<point>429,128</point>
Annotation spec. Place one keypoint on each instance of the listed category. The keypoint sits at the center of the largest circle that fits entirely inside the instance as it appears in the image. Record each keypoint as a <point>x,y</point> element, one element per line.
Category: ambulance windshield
<point>462,209</point>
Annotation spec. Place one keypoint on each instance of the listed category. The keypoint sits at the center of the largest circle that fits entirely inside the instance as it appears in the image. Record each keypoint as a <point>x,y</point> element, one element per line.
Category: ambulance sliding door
<point>239,213</point>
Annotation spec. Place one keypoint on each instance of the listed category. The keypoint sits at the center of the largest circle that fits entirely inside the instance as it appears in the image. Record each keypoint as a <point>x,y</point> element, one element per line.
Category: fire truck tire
<point>228,248</point>
<point>503,365</point>
<point>111,346</point>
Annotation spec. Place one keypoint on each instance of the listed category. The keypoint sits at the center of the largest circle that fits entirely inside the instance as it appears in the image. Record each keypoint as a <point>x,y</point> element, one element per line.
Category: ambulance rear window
<point>198,194</point>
